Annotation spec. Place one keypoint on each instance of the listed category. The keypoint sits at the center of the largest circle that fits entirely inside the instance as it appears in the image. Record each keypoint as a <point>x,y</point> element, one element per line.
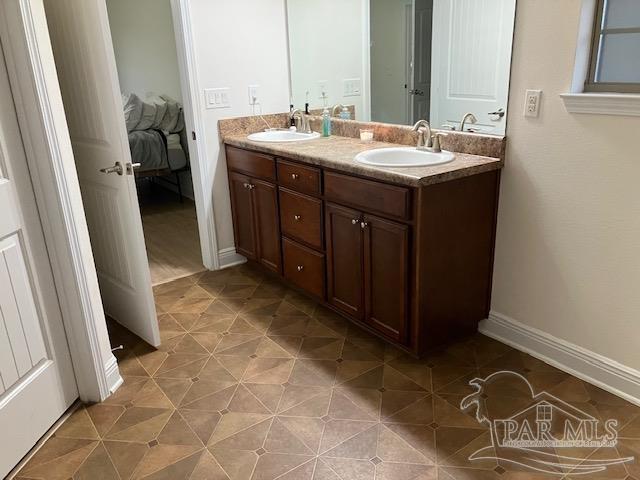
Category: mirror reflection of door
<point>471,62</point>
<point>414,59</point>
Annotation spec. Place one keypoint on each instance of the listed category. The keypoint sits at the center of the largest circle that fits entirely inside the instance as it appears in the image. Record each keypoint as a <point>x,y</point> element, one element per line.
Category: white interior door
<point>85,61</point>
<point>37,383</point>
<point>471,61</point>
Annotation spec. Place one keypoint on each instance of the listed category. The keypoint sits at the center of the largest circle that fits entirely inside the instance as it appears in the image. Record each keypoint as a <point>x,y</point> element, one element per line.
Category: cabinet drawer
<point>371,196</point>
<point>301,217</point>
<point>299,177</point>
<point>251,163</point>
<point>303,267</point>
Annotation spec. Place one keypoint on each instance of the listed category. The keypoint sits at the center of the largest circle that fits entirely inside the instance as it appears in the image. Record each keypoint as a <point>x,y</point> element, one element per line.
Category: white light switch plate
<point>217,98</point>
<point>352,87</point>
<point>532,103</point>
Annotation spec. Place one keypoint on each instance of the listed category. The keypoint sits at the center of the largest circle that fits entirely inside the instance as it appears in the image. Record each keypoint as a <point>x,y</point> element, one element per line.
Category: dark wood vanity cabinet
<point>412,265</point>
<point>256,225</point>
<point>367,269</point>
<point>345,256</point>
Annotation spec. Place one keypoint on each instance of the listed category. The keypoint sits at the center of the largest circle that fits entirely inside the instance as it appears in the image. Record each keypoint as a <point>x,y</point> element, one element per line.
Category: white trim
<point>583,46</point>
<point>114,380</point>
<point>189,84</point>
<point>228,257</point>
<point>602,103</point>
<point>589,366</point>
<point>34,81</point>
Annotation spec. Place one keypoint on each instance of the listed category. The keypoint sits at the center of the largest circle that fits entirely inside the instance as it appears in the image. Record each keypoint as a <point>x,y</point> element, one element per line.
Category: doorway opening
<point>400,58</point>
<point>144,45</point>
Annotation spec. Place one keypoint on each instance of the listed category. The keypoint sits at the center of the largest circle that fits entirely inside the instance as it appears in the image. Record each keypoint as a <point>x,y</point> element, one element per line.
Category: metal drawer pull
<point>297,218</point>
<point>355,221</point>
<point>300,268</point>
<point>249,186</point>
<point>364,225</point>
<point>295,176</point>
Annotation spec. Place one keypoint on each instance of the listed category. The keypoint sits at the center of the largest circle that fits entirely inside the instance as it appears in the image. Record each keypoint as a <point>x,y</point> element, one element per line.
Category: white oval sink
<point>403,157</point>
<point>282,136</point>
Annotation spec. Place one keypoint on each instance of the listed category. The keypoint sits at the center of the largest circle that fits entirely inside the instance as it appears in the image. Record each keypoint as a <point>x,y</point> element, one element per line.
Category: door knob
<point>499,113</point>
<point>117,168</point>
<point>300,268</point>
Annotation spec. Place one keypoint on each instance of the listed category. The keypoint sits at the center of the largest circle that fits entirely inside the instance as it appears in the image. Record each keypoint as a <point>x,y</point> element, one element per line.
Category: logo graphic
<point>536,435</point>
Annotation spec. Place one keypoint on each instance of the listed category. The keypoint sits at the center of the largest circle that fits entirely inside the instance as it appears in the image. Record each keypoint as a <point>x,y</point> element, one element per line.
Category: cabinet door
<point>267,225</point>
<point>344,260</point>
<point>386,285</point>
<point>243,216</point>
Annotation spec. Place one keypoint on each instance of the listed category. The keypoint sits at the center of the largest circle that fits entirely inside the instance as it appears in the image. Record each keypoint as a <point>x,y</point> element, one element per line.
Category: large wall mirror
<point>399,61</point>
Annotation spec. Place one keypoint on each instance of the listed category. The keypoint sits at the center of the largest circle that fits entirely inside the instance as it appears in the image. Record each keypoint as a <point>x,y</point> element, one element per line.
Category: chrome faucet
<point>424,134</point>
<point>467,116</point>
<point>302,122</point>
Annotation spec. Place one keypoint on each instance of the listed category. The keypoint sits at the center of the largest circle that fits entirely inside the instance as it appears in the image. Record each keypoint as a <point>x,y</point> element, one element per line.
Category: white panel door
<point>37,383</point>
<point>471,61</point>
<point>85,61</point>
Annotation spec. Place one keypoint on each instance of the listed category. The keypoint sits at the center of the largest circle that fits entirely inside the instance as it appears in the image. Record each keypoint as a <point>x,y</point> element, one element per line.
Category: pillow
<point>161,108</point>
<point>173,121</point>
<point>132,106</point>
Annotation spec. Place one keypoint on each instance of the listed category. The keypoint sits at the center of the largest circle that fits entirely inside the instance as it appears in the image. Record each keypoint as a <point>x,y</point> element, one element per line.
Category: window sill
<point>602,103</point>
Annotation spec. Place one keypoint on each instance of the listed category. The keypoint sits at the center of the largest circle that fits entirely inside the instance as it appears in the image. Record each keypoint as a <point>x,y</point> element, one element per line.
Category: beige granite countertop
<point>339,153</point>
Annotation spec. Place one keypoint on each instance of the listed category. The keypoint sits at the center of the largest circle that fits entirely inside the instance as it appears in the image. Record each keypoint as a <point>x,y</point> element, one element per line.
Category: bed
<point>157,138</point>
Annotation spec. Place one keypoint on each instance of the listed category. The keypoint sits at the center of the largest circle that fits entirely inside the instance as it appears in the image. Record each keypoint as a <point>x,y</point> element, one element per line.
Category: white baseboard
<point>584,364</point>
<point>114,380</point>
<point>228,257</point>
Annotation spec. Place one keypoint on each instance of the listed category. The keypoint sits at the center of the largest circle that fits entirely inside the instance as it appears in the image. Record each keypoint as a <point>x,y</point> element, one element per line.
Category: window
<point>544,413</point>
<point>615,52</point>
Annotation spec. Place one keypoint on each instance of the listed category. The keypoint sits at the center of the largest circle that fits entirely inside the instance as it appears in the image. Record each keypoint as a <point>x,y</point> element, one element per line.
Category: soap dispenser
<point>345,114</point>
<point>326,122</point>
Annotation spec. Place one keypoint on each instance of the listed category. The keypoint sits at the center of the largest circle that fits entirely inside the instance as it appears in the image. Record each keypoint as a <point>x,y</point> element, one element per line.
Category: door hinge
<point>193,135</point>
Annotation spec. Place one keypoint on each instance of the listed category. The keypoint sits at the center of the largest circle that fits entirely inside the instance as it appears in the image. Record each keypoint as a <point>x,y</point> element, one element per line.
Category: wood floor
<point>170,233</point>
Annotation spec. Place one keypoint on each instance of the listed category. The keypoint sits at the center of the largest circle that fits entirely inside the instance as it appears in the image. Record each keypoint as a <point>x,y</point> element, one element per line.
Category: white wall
<point>145,46</point>
<point>237,43</point>
<point>326,38</point>
<point>568,244</point>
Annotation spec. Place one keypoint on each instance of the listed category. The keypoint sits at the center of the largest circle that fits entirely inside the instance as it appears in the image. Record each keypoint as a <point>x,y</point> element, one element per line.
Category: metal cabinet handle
<point>295,176</point>
<point>364,225</point>
<point>117,168</point>
<point>297,218</point>
<point>300,268</point>
<point>355,221</point>
<point>249,186</point>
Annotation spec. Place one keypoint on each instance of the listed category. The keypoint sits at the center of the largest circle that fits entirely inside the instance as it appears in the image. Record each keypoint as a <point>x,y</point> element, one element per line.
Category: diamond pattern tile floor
<point>254,381</point>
